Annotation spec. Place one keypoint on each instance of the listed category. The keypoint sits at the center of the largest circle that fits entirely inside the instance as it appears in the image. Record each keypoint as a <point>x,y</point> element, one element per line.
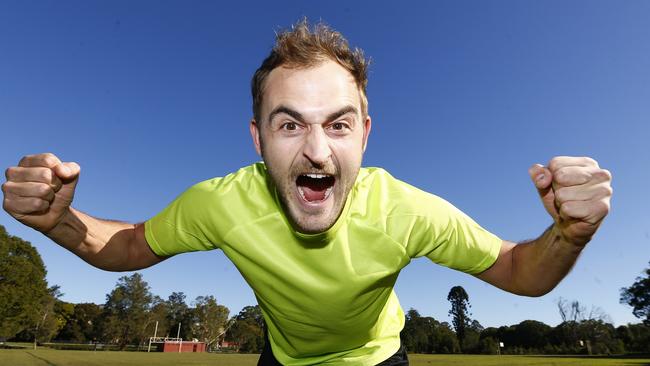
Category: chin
<point>313,225</point>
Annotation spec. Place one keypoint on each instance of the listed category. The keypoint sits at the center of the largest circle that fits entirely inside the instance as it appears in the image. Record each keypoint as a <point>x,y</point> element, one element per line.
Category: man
<point>319,239</point>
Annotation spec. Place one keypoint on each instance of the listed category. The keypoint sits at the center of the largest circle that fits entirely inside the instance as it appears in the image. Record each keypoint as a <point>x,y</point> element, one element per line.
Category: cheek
<point>348,152</point>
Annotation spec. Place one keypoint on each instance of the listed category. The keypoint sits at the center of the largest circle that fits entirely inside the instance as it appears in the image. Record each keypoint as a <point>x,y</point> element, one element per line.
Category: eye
<point>289,126</point>
<point>339,126</point>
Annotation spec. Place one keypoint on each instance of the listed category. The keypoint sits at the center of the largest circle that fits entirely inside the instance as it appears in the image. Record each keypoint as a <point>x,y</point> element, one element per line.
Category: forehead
<point>321,88</point>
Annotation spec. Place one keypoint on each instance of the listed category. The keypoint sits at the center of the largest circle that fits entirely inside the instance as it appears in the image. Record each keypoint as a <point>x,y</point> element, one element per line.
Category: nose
<point>317,148</point>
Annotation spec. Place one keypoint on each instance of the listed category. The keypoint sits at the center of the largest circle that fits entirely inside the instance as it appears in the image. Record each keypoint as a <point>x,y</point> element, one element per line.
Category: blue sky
<point>151,97</point>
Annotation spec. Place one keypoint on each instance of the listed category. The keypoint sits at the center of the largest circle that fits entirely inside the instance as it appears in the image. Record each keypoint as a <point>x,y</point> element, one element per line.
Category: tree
<point>158,319</point>
<point>52,316</point>
<point>444,339</point>
<point>248,329</point>
<point>636,337</point>
<point>417,335</point>
<point>83,325</point>
<point>178,314</point>
<point>209,320</point>
<point>638,297</point>
<point>459,311</point>
<point>532,335</point>
<point>126,311</point>
<point>23,287</point>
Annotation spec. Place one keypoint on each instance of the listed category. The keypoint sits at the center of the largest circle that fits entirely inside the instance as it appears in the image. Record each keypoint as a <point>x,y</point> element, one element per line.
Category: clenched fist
<point>39,191</point>
<point>576,192</point>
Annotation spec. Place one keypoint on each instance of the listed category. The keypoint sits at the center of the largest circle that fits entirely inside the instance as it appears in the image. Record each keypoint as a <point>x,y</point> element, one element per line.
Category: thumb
<point>543,179</point>
<point>67,171</point>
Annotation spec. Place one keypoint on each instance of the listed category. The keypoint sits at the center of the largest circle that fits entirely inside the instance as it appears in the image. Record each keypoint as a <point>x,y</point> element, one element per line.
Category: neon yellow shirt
<point>327,298</point>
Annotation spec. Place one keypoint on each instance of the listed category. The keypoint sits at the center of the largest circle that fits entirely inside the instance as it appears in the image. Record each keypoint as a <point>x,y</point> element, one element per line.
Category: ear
<point>255,134</point>
<point>367,125</point>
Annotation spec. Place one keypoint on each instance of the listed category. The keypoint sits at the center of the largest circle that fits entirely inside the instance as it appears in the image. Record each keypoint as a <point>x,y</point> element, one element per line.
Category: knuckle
<point>590,161</point>
<point>560,195</point>
<point>607,191</point>
<point>43,190</point>
<point>568,207</point>
<point>603,206</point>
<point>49,160</point>
<point>24,159</point>
<point>8,172</point>
<point>38,204</point>
<point>561,176</point>
<point>554,163</point>
<point>45,174</point>
<point>604,174</point>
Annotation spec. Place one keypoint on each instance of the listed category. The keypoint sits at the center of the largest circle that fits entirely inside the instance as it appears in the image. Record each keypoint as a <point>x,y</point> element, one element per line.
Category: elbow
<point>531,290</point>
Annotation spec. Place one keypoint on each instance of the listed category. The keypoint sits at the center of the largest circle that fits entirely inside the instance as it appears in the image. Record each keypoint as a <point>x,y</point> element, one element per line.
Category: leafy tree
<point>636,337</point>
<point>427,335</point>
<point>53,315</point>
<point>459,311</point>
<point>416,333</point>
<point>471,341</point>
<point>601,337</point>
<point>443,339</point>
<point>532,334</point>
<point>83,325</point>
<point>210,319</point>
<point>179,314</point>
<point>248,329</point>
<point>158,315</point>
<point>638,297</point>
<point>23,288</point>
<point>126,311</point>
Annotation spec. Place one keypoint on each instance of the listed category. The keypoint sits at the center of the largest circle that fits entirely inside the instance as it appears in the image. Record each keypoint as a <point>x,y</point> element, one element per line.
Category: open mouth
<point>315,188</point>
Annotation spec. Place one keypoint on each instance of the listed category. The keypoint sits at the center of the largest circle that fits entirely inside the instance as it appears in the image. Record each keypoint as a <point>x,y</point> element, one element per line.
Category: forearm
<point>102,243</point>
<point>539,265</point>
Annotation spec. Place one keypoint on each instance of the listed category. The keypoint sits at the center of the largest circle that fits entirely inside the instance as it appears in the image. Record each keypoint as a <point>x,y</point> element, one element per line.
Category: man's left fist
<point>576,192</point>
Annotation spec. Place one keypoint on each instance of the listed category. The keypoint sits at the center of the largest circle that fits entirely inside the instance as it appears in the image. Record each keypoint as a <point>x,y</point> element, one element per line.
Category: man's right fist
<point>39,191</point>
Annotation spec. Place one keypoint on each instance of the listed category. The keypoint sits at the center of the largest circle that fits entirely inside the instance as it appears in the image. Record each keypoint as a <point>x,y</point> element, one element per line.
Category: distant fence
<point>94,347</point>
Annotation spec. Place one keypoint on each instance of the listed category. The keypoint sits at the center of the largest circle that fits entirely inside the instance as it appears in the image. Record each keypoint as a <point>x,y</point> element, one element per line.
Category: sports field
<point>49,357</point>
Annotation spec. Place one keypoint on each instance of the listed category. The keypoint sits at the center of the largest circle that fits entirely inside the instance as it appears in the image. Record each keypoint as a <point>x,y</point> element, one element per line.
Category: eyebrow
<point>297,115</point>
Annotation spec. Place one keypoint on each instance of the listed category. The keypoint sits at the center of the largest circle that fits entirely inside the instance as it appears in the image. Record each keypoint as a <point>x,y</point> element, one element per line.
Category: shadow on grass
<point>42,359</point>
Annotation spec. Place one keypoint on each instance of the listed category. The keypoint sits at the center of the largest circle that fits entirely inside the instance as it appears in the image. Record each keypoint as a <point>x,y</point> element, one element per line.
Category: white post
<point>178,335</point>
<point>155,332</point>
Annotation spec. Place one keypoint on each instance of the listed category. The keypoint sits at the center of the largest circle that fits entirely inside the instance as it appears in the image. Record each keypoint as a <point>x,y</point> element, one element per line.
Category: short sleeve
<point>450,238</point>
<point>184,225</point>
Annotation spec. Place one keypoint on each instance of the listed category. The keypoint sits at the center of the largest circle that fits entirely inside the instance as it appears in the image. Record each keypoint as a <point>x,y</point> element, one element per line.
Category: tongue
<point>313,194</point>
<point>314,189</point>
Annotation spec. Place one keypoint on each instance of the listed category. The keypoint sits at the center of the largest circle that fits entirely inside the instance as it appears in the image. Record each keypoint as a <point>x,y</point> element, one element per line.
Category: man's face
<point>312,137</point>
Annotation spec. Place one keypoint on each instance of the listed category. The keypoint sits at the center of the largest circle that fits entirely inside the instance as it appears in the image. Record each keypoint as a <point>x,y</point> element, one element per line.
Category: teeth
<point>327,192</point>
<point>317,176</point>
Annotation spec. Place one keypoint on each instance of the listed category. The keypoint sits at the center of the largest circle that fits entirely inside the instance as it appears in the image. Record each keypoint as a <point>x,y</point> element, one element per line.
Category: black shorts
<point>398,359</point>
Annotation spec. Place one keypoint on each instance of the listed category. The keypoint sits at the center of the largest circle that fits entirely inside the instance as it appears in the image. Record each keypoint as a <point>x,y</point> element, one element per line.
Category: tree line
<point>32,311</point>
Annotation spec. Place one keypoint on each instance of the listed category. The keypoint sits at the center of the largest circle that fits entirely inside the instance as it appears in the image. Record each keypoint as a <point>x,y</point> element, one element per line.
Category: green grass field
<point>50,357</point>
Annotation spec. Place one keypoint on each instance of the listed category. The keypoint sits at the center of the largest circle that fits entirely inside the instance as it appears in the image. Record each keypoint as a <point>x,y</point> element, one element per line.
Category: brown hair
<point>301,47</point>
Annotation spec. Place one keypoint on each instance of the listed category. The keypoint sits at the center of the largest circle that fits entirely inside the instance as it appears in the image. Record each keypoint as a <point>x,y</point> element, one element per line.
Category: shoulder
<point>240,191</point>
<point>376,187</point>
<point>248,176</point>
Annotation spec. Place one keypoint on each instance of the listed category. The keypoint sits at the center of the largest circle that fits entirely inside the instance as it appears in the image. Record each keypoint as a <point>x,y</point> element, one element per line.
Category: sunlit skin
<point>312,122</point>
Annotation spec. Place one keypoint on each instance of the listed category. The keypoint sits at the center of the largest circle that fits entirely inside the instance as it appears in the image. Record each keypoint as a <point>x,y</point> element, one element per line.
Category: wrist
<point>559,236</point>
<point>61,223</point>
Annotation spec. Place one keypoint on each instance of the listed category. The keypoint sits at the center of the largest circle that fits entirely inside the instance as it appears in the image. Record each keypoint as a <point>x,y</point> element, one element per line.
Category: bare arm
<point>109,245</point>
<point>532,268</point>
<point>576,193</point>
<point>38,193</point>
